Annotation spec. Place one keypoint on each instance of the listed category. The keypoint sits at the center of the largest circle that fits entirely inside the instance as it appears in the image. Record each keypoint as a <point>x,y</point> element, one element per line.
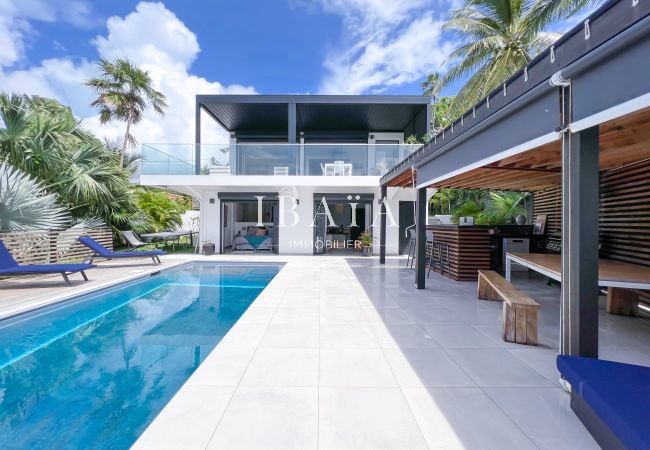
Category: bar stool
<point>411,248</point>
<point>428,249</point>
<point>439,256</point>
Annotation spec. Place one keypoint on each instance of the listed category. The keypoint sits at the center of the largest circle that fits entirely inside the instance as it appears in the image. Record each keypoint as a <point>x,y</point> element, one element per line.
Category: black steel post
<point>382,226</point>
<point>421,237</point>
<point>580,191</point>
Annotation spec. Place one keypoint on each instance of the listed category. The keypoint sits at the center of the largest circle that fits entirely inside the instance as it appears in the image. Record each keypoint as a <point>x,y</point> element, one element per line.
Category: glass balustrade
<point>274,159</point>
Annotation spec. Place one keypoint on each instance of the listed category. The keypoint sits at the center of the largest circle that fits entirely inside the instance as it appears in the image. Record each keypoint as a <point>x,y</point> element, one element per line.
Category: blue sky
<point>49,47</point>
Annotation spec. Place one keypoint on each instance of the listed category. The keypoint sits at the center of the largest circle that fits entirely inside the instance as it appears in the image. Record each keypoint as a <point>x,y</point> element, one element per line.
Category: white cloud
<point>154,38</point>
<point>385,44</point>
<point>375,64</point>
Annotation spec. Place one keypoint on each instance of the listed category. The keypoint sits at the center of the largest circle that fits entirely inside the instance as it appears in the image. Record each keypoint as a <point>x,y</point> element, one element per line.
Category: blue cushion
<point>6,260</point>
<point>618,393</point>
<point>106,253</point>
<point>136,253</point>
<point>46,268</point>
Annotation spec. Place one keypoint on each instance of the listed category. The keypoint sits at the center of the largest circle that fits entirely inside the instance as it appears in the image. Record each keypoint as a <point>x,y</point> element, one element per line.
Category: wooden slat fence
<point>50,247</point>
<point>549,201</point>
<point>624,213</point>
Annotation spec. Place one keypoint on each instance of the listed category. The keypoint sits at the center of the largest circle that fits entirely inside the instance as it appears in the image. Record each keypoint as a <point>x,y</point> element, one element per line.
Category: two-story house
<point>300,173</point>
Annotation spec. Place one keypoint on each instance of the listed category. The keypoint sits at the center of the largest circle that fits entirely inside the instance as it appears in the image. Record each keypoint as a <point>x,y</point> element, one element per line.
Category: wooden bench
<point>519,310</point>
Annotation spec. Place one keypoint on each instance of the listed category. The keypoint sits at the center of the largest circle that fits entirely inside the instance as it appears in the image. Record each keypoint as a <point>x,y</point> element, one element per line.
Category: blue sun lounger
<point>9,266</point>
<point>99,251</point>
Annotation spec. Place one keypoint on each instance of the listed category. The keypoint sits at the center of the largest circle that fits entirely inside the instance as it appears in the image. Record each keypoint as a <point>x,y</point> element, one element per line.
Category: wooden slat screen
<point>624,212</point>
<point>624,215</point>
<point>549,201</point>
<point>50,247</point>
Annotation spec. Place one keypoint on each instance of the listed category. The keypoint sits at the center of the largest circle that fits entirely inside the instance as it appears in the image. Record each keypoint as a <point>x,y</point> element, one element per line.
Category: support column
<point>421,238</point>
<point>382,226</point>
<point>291,131</point>
<point>197,140</point>
<point>580,191</point>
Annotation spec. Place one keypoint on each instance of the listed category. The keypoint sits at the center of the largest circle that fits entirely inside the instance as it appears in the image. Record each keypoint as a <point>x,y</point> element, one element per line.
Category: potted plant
<point>366,243</point>
<point>208,248</point>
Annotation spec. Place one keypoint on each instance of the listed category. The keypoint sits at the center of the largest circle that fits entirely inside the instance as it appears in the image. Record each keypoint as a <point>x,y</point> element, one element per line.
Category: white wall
<point>299,238</point>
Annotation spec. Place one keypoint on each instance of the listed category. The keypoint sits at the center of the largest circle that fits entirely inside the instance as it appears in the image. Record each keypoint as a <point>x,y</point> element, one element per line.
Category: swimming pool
<point>93,372</point>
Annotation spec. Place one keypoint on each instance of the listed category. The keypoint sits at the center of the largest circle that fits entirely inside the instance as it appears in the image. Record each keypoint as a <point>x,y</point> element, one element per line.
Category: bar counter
<point>469,249</point>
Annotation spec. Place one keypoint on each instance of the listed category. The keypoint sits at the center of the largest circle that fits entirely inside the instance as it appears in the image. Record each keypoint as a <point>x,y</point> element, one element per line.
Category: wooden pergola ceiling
<point>622,141</point>
<point>405,179</point>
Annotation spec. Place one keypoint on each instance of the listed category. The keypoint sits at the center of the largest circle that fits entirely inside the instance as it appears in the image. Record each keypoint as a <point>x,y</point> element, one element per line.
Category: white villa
<point>265,188</point>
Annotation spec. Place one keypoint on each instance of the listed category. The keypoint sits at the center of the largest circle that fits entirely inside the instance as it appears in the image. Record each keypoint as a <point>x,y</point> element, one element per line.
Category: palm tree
<point>498,38</point>
<point>504,207</point>
<point>25,205</point>
<point>432,85</point>
<point>124,91</point>
<point>43,139</point>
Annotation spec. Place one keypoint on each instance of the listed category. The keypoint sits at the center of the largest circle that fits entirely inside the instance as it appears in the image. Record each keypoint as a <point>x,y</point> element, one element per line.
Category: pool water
<point>93,372</point>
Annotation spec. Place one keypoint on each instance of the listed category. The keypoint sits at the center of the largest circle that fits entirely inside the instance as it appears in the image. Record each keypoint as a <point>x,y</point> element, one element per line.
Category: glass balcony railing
<point>274,159</point>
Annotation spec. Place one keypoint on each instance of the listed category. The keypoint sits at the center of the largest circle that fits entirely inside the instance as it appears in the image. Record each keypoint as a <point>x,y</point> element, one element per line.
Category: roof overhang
<point>607,71</point>
<point>316,113</point>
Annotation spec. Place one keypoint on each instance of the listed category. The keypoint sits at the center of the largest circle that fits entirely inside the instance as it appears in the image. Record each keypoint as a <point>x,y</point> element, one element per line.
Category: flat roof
<point>315,112</point>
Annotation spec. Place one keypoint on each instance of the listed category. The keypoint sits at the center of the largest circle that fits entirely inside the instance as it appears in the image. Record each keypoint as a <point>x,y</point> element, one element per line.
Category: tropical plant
<point>471,208</point>
<point>504,207</point>
<point>124,92</point>
<point>42,138</point>
<point>498,38</point>
<point>432,85</point>
<point>25,205</point>
<point>162,211</point>
<point>366,239</point>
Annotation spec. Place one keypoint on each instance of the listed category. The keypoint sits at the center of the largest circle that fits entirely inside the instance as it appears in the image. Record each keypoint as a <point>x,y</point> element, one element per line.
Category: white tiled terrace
<point>343,353</point>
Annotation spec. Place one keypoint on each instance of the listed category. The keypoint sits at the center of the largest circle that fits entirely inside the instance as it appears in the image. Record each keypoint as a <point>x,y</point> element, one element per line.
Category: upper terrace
<point>297,135</point>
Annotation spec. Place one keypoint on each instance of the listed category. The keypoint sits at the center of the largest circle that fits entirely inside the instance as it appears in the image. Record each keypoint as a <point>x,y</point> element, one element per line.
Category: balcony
<point>274,159</point>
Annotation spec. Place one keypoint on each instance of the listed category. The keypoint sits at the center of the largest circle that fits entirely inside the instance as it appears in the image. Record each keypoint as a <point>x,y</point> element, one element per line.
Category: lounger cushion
<point>48,268</point>
<point>618,393</point>
<point>138,253</point>
<point>106,253</point>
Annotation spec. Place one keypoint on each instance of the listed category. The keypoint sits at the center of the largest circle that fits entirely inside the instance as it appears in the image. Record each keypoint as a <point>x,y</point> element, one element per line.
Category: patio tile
<point>359,367</point>
<point>300,300</point>
<point>269,418</point>
<point>282,367</point>
<point>338,300</point>
<point>333,315</point>
<point>497,368</point>
<point>298,314</point>
<point>188,420</point>
<point>463,418</point>
<point>426,367</point>
<point>366,418</point>
<point>347,336</point>
<point>244,335</point>
<point>458,335</point>
<point>387,315</point>
<point>224,366</point>
<point>545,415</point>
<point>293,335</point>
<point>432,314</point>
<point>540,359</point>
<point>403,336</point>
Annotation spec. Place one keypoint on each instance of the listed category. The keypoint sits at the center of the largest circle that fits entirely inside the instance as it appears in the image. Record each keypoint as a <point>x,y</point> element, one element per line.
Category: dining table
<point>620,278</point>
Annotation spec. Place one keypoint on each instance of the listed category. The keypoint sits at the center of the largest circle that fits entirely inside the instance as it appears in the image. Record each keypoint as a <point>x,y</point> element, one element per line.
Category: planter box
<point>208,249</point>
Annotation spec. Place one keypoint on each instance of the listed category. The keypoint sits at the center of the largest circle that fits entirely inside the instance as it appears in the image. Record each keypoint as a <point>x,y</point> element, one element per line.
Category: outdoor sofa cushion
<point>618,393</point>
<point>106,253</point>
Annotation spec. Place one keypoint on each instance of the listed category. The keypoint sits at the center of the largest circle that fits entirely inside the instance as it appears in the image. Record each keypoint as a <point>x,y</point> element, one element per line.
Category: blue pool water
<point>93,372</point>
